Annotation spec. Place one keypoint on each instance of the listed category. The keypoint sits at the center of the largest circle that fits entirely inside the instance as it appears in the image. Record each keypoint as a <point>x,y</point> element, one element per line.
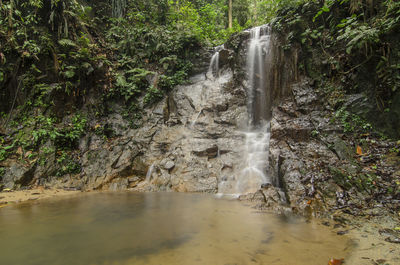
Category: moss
<point>340,177</point>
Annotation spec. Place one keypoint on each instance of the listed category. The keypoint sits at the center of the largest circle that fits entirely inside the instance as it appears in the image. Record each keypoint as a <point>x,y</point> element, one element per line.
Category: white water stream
<point>149,173</point>
<point>213,70</point>
<point>259,110</point>
<point>257,135</point>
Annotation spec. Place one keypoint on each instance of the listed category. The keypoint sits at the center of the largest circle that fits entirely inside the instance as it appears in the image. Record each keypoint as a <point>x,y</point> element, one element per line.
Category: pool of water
<point>159,228</point>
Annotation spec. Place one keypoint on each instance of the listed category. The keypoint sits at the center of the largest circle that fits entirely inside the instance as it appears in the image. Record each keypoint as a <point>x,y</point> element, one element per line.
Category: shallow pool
<point>159,228</point>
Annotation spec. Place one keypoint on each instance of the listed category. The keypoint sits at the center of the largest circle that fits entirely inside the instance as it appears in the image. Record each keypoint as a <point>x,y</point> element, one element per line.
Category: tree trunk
<point>230,14</point>
<point>10,23</point>
<point>255,11</point>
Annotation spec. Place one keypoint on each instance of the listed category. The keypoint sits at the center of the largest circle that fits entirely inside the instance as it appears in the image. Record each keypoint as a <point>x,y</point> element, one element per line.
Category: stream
<point>159,228</point>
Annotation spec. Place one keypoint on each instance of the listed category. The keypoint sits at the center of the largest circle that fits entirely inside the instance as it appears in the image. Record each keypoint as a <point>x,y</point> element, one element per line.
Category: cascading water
<point>213,69</point>
<point>195,119</point>
<point>214,65</point>
<point>259,112</point>
<point>259,65</point>
<point>257,134</point>
<point>212,79</point>
<point>149,173</point>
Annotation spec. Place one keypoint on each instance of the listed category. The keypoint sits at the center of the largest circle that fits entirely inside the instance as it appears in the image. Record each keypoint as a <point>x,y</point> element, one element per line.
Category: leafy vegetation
<point>352,122</point>
<point>55,54</point>
<point>350,45</point>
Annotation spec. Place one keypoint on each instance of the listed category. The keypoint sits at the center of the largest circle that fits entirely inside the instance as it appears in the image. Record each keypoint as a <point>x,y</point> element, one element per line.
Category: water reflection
<point>157,228</point>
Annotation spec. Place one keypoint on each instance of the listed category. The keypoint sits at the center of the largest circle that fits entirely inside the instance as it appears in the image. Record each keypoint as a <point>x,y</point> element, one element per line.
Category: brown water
<point>159,228</point>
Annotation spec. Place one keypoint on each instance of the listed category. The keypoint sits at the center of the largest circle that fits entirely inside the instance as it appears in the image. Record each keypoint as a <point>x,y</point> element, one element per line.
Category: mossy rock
<point>340,177</point>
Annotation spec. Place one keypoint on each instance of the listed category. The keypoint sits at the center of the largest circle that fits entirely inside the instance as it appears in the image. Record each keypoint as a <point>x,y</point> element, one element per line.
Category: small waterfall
<point>196,118</point>
<point>211,77</point>
<point>149,173</point>
<point>214,64</point>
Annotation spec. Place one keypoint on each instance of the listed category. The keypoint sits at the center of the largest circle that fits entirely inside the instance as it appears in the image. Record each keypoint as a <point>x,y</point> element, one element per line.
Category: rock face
<point>189,153</point>
<point>297,154</point>
<point>189,142</point>
<point>193,140</point>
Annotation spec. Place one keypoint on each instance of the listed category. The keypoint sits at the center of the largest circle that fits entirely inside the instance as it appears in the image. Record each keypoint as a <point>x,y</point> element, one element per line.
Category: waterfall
<point>259,65</point>
<point>257,136</point>
<point>214,64</point>
<point>149,173</point>
<point>195,119</point>
<point>255,150</point>
<point>211,76</point>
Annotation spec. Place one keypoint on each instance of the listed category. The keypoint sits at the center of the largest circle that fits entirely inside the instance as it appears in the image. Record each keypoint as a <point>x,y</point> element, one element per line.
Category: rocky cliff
<point>193,140</point>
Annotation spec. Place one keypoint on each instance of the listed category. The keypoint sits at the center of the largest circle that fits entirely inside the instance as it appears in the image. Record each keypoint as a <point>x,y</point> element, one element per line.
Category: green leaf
<point>67,43</point>
<point>69,73</point>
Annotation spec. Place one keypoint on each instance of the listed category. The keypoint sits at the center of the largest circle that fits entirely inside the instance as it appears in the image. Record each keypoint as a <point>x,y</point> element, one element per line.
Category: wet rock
<point>119,184</point>
<point>84,143</point>
<point>115,125</point>
<point>342,149</point>
<point>71,189</point>
<point>210,152</point>
<point>395,240</point>
<point>326,223</point>
<point>223,106</point>
<point>271,195</point>
<point>168,164</point>
<point>253,197</point>
<point>224,55</point>
<point>133,179</point>
<point>304,95</point>
<point>284,127</point>
<point>392,236</point>
<point>359,104</point>
<point>17,174</point>
<point>341,233</point>
<point>139,167</point>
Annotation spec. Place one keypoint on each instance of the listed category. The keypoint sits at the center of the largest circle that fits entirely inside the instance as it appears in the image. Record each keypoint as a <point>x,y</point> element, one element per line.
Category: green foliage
<point>357,35</point>
<point>131,83</point>
<point>352,122</point>
<point>351,45</point>
<point>203,21</point>
<point>152,95</point>
<point>266,10</point>
<point>389,74</point>
<point>362,182</point>
<point>44,129</point>
<point>66,164</point>
<point>326,8</point>
<point>5,150</point>
<point>75,129</point>
<point>310,34</point>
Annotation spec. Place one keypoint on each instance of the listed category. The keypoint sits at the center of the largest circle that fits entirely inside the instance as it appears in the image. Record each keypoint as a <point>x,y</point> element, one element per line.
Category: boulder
<point>18,175</point>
